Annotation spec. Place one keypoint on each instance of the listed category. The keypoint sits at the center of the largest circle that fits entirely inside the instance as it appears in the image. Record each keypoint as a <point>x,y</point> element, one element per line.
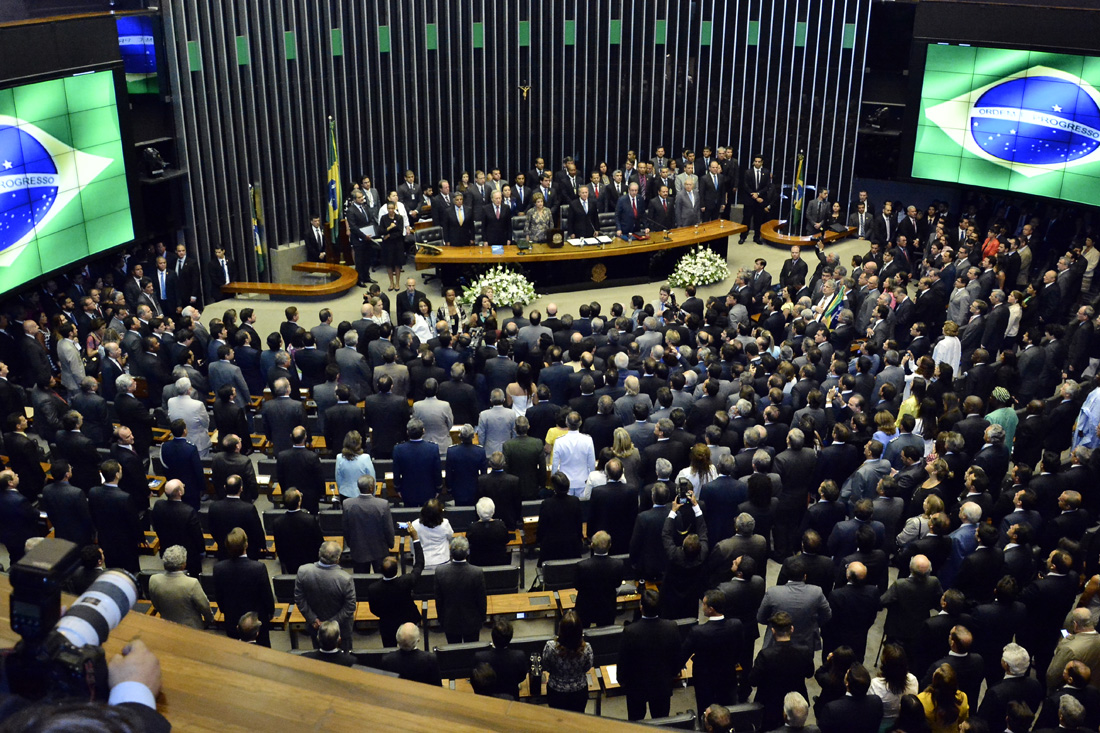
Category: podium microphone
<point>658,225</point>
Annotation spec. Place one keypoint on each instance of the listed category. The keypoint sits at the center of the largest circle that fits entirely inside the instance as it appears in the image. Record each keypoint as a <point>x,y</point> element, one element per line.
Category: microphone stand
<point>662,227</point>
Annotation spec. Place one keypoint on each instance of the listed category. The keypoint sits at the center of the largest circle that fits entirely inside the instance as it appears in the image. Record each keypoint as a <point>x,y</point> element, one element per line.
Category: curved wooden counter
<point>683,237</point>
<point>347,278</point>
<point>772,231</point>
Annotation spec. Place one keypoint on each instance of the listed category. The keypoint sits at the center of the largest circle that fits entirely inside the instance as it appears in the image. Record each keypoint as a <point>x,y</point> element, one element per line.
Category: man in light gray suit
<point>867,306</point>
<point>281,415</point>
<point>652,337</point>
<point>805,603</point>
<point>687,205</point>
<point>531,333</point>
<point>399,373</point>
<point>324,592</point>
<point>69,361</point>
<point>436,416</point>
<point>193,412</point>
<point>496,425</point>
<point>224,371</point>
<point>624,406</point>
<point>893,373</point>
<point>324,332</point>
<point>354,371</point>
<point>368,527</point>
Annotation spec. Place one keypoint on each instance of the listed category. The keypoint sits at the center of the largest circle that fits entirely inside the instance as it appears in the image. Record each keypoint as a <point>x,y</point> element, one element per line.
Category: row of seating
<point>434,234</point>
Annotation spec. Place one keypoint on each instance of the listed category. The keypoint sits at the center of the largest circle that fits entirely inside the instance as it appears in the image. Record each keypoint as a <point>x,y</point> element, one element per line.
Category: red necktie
<point>634,205</point>
<point>498,212</point>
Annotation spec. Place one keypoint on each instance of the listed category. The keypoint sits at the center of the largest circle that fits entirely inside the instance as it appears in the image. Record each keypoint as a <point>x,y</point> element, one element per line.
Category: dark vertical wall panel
<point>766,76</point>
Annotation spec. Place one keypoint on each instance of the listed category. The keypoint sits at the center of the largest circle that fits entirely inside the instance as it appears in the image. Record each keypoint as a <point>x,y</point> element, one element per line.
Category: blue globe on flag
<point>28,184</point>
<point>1037,120</point>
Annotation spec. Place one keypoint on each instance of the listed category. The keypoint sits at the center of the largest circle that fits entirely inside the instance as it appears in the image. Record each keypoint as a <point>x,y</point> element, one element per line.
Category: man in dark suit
<point>969,667</point>
<point>779,668</point>
<point>909,600</point>
<point>35,364</point>
<point>510,666</point>
<point>228,463</point>
<point>181,461</point>
<point>597,582</point>
<point>25,456</point>
<point>281,415</point>
<point>646,549</point>
<point>66,506</point>
<point>316,241</point>
<point>713,188</point>
<point>630,215</point>
<point>661,210</point>
<point>135,416</point>
<point>116,520</point>
<point>460,595</point>
<point>18,518</point>
<point>409,662</point>
<point>1048,599</point>
<point>79,450</point>
<point>496,221</point>
<point>177,523</point>
<point>359,220</point>
<point>613,508</point>
<point>857,711</point>
<point>855,606</point>
<point>417,469</point>
<point>458,223</point>
<point>713,645</point>
<point>220,271</point>
<point>755,183</point>
<point>299,467</point>
<point>649,661</point>
<point>1015,685</point>
<point>503,488</point>
<point>675,452</point>
<point>391,599</point>
<point>387,417</point>
<point>329,639</point>
<point>342,418</point>
<point>187,277</point>
<point>94,410</point>
<point>297,534</point>
<point>233,511</point>
<point>241,585</point>
<point>883,231</point>
<point>584,219</point>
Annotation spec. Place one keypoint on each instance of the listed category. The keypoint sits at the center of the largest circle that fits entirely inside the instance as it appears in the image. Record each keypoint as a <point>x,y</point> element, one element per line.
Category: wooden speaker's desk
<point>211,683</point>
<point>543,253</point>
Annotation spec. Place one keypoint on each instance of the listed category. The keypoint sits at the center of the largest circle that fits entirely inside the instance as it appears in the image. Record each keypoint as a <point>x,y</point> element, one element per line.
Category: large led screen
<point>1023,121</point>
<point>63,190</point>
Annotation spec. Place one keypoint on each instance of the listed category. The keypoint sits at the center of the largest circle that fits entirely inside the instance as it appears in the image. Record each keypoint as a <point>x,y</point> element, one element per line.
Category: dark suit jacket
<point>228,464</point>
<point>661,215</point>
<point>415,665</point>
<point>625,219</point>
<point>387,416</point>
<point>216,276</point>
<point>298,538</point>
<point>181,461</point>
<point>177,523</point>
<point>242,585</point>
<point>778,669</point>
<point>225,514</point>
<point>67,508</point>
<point>97,417</point>
<point>391,600</point>
<point>496,230</point>
<point>460,598</point>
<point>649,657</point>
<point>852,715</point>
<point>560,522</point>
<point>510,666</point>
<point>117,526</point>
<point>137,417</point>
<point>455,234</point>
<point>675,451</point>
<point>714,645</point>
<point>417,471</point>
<point>647,553</point>
<point>613,509</point>
<point>598,579</point>
<point>488,543</point>
<point>503,489</point>
<point>19,522</point>
<point>133,480</point>
<point>300,468</point>
<point>583,224</point>
<point>79,450</point>
<point>25,455</point>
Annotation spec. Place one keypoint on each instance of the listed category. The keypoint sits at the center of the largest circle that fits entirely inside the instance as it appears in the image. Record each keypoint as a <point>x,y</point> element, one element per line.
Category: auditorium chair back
<point>456,661</point>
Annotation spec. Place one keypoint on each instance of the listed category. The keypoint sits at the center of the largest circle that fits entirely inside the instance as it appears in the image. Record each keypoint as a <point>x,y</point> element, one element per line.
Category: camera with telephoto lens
<point>61,656</point>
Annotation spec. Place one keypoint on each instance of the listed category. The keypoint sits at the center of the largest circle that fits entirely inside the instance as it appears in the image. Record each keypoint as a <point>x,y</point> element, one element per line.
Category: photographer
<point>134,678</point>
<point>686,574</point>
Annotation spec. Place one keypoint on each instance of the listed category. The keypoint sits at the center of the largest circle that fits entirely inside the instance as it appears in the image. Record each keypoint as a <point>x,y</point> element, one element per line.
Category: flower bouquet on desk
<point>700,266</point>
<point>507,285</point>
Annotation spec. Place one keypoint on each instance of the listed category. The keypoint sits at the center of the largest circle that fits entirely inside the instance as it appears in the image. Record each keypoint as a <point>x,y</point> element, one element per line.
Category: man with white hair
<point>1016,685</point>
<point>964,541</point>
<point>624,406</point>
<point>133,414</point>
<point>410,662</point>
<point>324,592</point>
<point>178,597</point>
<point>185,407</point>
<point>177,523</point>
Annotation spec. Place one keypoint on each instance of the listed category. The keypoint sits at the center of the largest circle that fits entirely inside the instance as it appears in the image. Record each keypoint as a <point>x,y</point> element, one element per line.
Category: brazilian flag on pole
<point>333,183</point>
<point>258,226</point>
<point>799,197</point>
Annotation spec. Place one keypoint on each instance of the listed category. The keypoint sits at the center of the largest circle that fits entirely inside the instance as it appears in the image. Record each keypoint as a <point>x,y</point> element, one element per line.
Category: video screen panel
<point>139,53</point>
<point>1022,121</point>
<point>63,188</point>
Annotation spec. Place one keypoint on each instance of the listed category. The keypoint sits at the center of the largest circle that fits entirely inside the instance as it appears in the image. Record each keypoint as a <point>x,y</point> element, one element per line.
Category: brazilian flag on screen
<point>799,197</point>
<point>63,191</point>
<point>1023,121</point>
<point>333,182</point>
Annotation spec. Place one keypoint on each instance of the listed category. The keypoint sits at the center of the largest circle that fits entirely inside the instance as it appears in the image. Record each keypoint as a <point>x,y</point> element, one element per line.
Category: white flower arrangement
<point>700,266</point>
<point>508,287</point>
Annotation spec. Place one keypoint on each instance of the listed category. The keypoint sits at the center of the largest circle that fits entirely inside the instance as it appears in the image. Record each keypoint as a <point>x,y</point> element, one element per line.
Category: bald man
<point>1082,645</point>
<point>855,606</point>
<point>910,600</point>
<point>177,523</point>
